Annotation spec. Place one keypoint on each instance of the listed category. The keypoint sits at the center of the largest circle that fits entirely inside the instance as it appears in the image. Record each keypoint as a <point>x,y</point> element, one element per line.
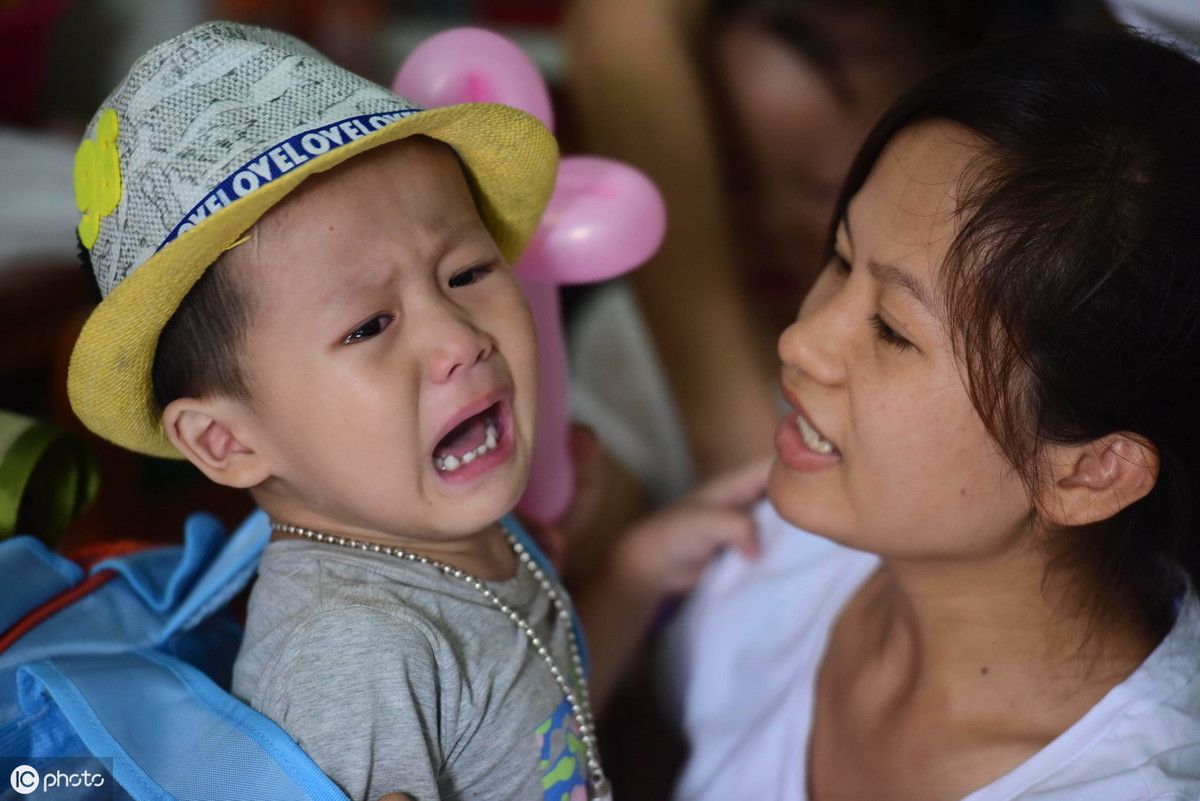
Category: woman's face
<point>883,450</point>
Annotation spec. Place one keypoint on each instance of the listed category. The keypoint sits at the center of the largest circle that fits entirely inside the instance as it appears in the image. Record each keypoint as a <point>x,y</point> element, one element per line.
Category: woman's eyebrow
<point>891,274</point>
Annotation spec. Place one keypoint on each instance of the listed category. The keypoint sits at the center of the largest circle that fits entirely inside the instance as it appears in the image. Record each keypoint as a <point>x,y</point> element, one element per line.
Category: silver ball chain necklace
<point>581,707</point>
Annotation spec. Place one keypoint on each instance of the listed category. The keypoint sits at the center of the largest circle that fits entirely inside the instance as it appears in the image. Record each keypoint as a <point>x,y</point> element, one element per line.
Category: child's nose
<point>456,344</point>
<point>816,342</point>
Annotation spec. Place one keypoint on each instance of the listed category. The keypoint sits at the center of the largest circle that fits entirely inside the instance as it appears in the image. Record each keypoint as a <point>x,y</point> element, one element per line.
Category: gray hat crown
<point>210,116</point>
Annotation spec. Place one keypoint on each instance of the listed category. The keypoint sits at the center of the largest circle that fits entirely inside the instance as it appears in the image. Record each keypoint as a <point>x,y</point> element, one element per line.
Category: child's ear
<point>1094,481</point>
<point>214,435</point>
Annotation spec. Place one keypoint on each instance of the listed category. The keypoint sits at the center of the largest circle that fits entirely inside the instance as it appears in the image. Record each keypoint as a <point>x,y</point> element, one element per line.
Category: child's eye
<point>469,275</point>
<point>888,334</point>
<point>369,329</point>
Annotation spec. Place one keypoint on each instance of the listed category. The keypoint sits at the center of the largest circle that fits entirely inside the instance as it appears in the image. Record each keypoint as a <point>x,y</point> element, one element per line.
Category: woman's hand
<point>661,556</point>
<point>666,553</point>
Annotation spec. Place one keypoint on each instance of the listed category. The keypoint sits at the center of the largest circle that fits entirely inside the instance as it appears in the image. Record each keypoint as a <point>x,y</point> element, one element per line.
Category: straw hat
<point>207,132</point>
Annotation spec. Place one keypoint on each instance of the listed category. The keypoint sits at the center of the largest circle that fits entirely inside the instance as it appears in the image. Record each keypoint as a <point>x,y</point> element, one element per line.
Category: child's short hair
<point>1072,288</point>
<point>198,353</point>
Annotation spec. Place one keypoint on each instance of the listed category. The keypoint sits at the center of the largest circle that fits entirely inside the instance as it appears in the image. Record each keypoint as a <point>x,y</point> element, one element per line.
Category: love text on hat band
<point>282,159</point>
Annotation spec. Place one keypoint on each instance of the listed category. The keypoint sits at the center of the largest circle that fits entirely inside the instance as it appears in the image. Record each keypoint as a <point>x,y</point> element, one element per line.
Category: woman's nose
<point>456,343</point>
<point>817,342</point>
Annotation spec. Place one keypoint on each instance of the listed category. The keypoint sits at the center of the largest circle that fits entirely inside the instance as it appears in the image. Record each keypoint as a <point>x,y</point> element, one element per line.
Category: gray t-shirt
<point>396,678</point>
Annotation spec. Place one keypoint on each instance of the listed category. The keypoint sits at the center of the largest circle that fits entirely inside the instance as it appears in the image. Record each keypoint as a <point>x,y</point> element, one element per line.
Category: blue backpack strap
<point>209,570</point>
<point>218,748</point>
<point>511,523</point>
<point>160,594</point>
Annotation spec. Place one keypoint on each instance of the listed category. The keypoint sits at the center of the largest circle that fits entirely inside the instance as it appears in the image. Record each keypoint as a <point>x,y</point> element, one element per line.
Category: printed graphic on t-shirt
<point>563,759</point>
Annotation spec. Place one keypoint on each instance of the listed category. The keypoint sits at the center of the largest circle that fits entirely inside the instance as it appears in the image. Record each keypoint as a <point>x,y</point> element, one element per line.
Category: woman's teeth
<point>448,464</point>
<point>812,439</point>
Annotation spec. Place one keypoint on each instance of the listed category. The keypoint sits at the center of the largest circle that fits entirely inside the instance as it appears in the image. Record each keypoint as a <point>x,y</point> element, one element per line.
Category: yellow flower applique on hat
<point>97,177</point>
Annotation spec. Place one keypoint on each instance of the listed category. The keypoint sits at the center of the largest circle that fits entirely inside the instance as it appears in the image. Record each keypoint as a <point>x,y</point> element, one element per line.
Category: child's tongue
<point>466,436</point>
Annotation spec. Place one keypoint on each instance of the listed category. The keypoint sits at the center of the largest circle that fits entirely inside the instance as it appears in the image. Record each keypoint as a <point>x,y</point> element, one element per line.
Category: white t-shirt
<point>1177,21</point>
<point>740,662</point>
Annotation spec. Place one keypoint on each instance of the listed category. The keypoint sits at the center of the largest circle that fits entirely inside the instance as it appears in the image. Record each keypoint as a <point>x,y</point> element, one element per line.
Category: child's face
<point>390,356</point>
<point>913,472</point>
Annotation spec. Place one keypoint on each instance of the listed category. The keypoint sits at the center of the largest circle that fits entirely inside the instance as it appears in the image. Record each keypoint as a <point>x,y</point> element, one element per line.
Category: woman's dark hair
<point>1072,287</point>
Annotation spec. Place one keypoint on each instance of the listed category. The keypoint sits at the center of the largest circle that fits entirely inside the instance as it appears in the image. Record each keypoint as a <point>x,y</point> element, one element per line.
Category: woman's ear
<point>214,435</point>
<point>1094,481</point>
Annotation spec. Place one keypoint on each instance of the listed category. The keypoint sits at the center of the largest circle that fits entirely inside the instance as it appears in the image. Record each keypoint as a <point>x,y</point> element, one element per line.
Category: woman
<point>992,431</point>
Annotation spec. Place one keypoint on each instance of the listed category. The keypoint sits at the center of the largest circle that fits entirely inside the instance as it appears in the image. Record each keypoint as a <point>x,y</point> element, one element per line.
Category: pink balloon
<point>471,65</point>
<point>604,219</point>
<point>551,474</point>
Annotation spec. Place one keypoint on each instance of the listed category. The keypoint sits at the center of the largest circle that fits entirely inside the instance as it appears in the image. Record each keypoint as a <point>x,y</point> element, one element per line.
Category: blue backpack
<point>126,658</point>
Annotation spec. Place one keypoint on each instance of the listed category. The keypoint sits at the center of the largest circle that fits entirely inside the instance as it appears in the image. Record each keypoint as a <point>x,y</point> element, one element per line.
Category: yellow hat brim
<point>511,162</point>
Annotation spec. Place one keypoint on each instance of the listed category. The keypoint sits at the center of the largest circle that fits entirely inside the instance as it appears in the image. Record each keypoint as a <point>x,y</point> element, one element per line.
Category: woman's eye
<point>369,329</point>
<point>887,334</point>
<point>469,275</point>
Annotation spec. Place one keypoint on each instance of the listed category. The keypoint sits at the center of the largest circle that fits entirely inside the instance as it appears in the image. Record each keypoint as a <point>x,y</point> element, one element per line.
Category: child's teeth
<point>811,438</point>
<point>448,464</point>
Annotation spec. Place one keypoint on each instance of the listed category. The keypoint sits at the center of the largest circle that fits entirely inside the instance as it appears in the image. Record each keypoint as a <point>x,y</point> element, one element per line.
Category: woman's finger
<point>739,487</point>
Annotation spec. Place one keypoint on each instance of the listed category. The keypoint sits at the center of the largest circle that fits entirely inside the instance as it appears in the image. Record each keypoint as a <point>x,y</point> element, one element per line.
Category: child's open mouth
<point>473,438</point>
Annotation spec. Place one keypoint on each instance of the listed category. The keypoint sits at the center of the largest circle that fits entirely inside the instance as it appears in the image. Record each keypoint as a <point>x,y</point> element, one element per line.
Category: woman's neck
<point>1002,635</point>
<point>952,673</point>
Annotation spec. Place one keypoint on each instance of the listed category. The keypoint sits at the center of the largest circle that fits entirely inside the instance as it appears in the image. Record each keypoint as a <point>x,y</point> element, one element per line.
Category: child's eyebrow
<point>365,282</point>
<point>466,232</point>
<point>374,279</point>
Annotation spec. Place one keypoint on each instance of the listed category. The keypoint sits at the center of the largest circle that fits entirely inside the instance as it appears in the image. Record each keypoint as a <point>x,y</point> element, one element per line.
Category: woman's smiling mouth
<point>812,437</point>
<point>799,443</point>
